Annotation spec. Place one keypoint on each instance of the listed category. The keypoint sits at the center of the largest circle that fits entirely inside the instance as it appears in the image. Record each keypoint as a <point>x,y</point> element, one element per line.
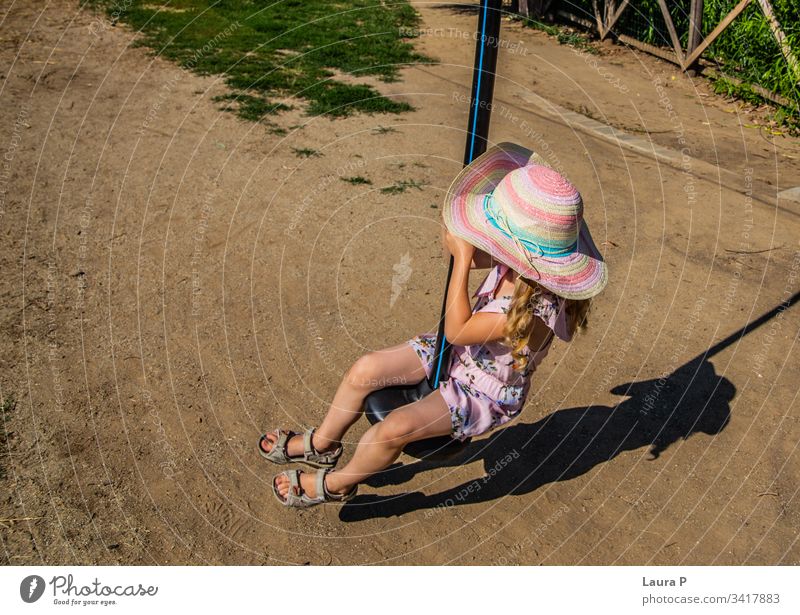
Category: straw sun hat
<point>509,203</point>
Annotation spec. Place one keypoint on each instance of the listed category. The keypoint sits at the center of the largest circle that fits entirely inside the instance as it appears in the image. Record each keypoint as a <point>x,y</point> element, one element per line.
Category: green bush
<point>746,49</point>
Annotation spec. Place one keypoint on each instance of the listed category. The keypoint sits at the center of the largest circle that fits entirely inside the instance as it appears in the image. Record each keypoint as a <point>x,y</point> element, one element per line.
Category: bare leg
<point>375,370</point>
<point>382,444</point>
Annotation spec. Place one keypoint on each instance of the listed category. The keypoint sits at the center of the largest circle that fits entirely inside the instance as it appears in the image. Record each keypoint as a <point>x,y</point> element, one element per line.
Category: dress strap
<point>492,281</point>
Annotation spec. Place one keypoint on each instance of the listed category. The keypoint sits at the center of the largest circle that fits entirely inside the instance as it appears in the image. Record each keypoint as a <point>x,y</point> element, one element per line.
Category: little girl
<point>509,211</point>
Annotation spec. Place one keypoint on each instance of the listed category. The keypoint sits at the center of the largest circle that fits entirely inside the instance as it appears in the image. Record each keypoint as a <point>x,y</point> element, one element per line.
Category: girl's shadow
<point>568,443</point>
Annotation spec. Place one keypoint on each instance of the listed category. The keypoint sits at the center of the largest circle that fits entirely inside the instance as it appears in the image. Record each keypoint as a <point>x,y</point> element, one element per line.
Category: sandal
<point>297,498</point>
<point>277,454</point>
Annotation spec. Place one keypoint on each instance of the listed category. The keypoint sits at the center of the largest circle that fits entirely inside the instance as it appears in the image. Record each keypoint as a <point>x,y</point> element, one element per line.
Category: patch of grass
<point>248,107</point>
<point>340,99</point>
<point>784,117</point>
<point>382,130</point>
<point>563,34</point>
<point>788,119</point>
<point>402,186</point>
<point>743,92</point>
<point>8,406</point>
<point>289,48</point>
<point>576,40</point>
<point>357,180</point>
<point>306,152</point>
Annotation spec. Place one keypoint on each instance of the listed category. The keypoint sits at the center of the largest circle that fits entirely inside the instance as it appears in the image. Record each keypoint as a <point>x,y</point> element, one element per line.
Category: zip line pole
<point>480,111</point>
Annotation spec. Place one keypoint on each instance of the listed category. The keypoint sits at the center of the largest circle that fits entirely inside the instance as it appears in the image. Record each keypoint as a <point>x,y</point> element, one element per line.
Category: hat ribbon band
<point>498,219</point>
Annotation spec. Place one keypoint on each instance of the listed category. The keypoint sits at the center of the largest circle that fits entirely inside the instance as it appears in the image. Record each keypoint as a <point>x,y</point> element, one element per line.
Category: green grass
<point>563,34</point>
<point>252,108</point>
<point>357,180</point>
<point>402,186</point>
<point>306,152</point>
<point>786,118</point>
<point>746,49</point>
<point>8,405</point>
<point>743,91</point>
<point>268,50</point>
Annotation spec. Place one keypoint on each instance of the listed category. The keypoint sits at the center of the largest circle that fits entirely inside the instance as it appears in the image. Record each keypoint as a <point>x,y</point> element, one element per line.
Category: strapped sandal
<point>277,453</point>
<point>297,498</point>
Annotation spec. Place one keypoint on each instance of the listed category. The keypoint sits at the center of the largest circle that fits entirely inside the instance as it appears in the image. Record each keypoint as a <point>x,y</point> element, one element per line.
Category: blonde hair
<point>519,324</point>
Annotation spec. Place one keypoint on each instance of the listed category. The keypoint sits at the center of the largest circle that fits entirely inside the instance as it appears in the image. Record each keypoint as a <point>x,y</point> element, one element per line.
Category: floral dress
<point>484,390</point>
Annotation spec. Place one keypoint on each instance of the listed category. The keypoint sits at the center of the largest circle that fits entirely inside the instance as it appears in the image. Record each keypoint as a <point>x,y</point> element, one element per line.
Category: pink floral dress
<point>484,390</point>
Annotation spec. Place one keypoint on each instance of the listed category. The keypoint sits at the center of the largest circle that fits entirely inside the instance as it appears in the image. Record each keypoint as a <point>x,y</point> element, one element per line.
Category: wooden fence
<point>608,12</point>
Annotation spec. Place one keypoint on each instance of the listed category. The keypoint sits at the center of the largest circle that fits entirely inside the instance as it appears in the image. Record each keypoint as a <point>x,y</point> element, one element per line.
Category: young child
<point>509,211</point>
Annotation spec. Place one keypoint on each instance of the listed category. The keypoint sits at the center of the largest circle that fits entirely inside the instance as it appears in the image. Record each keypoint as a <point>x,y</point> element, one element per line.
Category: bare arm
<point>461,326</point>
<point>480,260</point>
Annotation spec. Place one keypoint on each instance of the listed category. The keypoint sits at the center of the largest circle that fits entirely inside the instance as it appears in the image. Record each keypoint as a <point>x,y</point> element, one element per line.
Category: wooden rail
<point>607,13</point>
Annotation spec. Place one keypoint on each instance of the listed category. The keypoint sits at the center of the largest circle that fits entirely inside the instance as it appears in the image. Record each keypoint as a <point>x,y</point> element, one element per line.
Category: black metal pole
<point>480,106</point>
<point>480,111</point>
<point>735,337</point>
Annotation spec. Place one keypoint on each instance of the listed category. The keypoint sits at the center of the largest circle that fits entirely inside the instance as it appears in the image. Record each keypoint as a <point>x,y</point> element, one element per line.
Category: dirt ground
<point>175,281</point>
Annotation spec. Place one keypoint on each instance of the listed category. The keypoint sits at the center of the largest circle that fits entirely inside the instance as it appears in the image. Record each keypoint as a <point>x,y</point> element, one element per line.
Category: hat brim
<point>579,275</point>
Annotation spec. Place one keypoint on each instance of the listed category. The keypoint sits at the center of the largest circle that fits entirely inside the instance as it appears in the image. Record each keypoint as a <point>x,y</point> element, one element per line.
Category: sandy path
<point>176,281</point>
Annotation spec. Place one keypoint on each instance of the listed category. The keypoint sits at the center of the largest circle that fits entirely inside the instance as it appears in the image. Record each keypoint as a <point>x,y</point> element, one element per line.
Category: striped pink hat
<point>512,205</point>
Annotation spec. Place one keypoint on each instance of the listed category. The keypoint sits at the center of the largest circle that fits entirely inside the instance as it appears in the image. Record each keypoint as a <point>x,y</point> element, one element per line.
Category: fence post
<point>695,33</point>
<point>611,7</point>
<point>726,21</point>
<point>536,9</point>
